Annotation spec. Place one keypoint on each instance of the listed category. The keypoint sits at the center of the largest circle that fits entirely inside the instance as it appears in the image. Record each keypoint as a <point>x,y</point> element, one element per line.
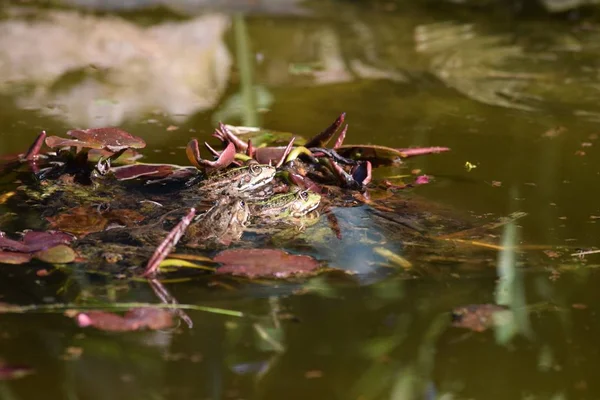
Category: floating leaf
<point>43,240</point>
<point>133,320</point>
<point>113,139</point>
<point>10,257</point>
<point>61,254</point>
<point>34,241</point>
<point>255,263</point>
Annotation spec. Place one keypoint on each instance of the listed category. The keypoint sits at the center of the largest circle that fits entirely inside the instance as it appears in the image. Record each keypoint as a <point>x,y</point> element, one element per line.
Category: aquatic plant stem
<point>244,62</point>
<point>62,307</point>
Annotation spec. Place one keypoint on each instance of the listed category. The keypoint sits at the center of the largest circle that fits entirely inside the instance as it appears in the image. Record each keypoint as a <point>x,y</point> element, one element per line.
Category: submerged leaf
<point>476,317</point>
<point>133,320</point>
<point>124,216</point>
<point>255,263</point>
<point>79,221</point>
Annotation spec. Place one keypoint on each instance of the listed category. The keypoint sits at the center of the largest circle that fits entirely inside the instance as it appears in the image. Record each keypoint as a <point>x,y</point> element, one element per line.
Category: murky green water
<point>516,95</point>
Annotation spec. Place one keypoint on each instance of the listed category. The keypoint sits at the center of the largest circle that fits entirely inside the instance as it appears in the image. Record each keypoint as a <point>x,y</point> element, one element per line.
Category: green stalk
<point>244,62</point>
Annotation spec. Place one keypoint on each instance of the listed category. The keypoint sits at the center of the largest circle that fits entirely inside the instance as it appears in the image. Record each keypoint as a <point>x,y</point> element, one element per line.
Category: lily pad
<point>133,320</point>
<point>34,241</point>
<point>112,139</point>
<point>11,257</point>
<point>61,254</point>
<point>265,263</point>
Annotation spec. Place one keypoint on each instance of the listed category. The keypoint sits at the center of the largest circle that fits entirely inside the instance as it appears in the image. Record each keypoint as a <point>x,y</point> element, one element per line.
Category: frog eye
<point>255,169</point>
<point>304,195</point>
<point>242,203</point>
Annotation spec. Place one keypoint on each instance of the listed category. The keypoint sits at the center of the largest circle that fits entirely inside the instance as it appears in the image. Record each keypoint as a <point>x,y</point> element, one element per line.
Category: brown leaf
<point>135,319</point>
<point>476,317</point>
<point>270,263</point>
<point>124,217</point>
<point>79,221</point>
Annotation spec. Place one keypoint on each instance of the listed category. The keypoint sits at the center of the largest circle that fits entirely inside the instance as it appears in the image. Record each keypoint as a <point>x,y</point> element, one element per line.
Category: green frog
<point>294,204</point>
<point>237,181</point>
<point>223,223</point>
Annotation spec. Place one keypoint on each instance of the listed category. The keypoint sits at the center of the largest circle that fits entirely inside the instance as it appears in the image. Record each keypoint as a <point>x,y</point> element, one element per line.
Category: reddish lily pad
<point>79,221</point>
<point>133,320</point>
<point>265,263</point>
<point>11,257</point>
<point>112,139</point>
<point>34,241</point>
<point>61,254</point>
<point>43,240</point>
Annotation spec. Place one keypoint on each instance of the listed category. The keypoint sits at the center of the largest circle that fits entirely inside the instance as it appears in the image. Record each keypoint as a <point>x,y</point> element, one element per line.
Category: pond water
<point>513,92</point>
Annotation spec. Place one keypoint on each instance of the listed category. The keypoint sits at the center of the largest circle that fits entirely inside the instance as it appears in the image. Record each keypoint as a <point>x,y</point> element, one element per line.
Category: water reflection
<point>116,71</point>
